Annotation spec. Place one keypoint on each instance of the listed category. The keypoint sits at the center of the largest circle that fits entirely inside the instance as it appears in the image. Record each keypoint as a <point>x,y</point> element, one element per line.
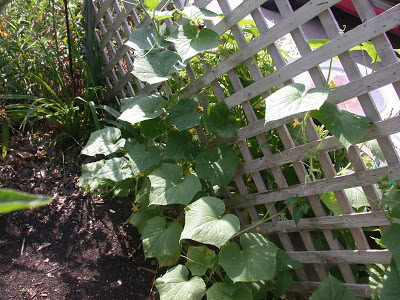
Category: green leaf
<point>184,114</point>
<point>11,200</point>
<point>206,223</point>
<point>291,100</point>
<point>195,13</point>
<point>228,291</point>
<point>375,149</point>
<point>370,49</point>
<point>168,186</point>
<point>142,158</point>
<point>141,107</point>
<point>332,289</point>
<point>256,261</point>
<point>189,42</point>
<point>376,275</point>
<point>391,287</point>
<point>115,169</point>
<point>153,127</point>
<point>89,174</point>
<point>391,239</point>
<point>283,281</point>
<point>330,201</point>
<point>104,141</point>
<point>181,145</point>
<point>284,262</point>
<point>316,43</point>
<point>159,239</point>
<point>145,39</point>
<point>356,197</point>
<point>157,67</point>
<point>152,4</point>
<point>347,127</point>
<point>259,289</point>
<point>219,119</point>
<point>217,166</point>
<point>139,219</point>
<point>199,259</point>
<point>174,285</point>
<point>169,260</point>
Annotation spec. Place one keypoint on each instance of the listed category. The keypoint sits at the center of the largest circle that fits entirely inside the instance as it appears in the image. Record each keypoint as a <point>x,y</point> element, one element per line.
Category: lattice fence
<point>114,20</point>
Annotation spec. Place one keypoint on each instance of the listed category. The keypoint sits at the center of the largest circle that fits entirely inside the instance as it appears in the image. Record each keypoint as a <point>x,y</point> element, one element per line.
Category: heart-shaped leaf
<point>184,114</point>
<point>206,223</point>
<point>199,259</point>
<point>192,12</point>
<point>181,145</point>
<point>391,239</point>
<point>141,107</point>
<point>331,289</point>
<point>157,67</point>
<point>142,158</point>
<point>347,127</point>
<point>145,39</point>
<point>89,174</point>
<point>188,41</point>
<point>220,120</point>
<point>169,260</point>
<point>291,100</point>
<point>104,141</point>
<point>228,291</point>
<point>168,186</point>
<point>174,285</point>
<point>115,169</point>
<point>256,261</point>
<point>160,239</point>
<point>217,166</point>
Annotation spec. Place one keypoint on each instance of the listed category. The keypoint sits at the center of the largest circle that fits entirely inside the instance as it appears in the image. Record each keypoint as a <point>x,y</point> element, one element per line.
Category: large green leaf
<point>217,166</point>
<point>174,285</point>
<point>168,186</point>
<point>228,291</point>
<point>391,284</point>
<point>284,262</point>
<point>159,239</point>
<point>184,114</point>
<point>375,149</point>
<point>11,200</point>
<point>199,259</point>
<point>141,107</point>
<point>89,174</point>
<point>219,119</point>
<point>347,127</point>
<point>330,201</point>
<point>104,141</point>
<point>291,100</point>
<point>332,289</point>
<point>157,67</point>
<point>142,158</point>
<point>189,42</point>
<point>391,239</point>
<point>205,222</point>
<point>256,261</point>
<point>169,260</point>
<point>115,169</point>
<point>181,145</point>
<point>145,39</point>
<point>192,12</point>
<point>259,289</point>
<point>152,4</point>
<point>356,197</point>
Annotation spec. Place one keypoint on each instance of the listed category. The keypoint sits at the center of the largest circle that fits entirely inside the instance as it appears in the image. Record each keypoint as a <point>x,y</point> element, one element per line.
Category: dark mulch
<point>78,247</point>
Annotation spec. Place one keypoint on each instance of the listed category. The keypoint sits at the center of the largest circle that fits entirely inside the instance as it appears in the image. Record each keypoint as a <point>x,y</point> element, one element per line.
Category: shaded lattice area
<point>334,235</point>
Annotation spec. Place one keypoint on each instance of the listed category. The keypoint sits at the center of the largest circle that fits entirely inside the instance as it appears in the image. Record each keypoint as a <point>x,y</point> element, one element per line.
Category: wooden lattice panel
<point>114,21</point>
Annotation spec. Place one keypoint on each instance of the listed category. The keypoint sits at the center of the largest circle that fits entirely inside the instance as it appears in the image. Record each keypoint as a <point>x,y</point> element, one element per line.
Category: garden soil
<point>79,246</point>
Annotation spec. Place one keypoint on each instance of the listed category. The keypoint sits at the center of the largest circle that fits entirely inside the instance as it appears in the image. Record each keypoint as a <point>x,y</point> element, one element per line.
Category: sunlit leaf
<point>104,141</point>
<point>205,222</point>
<point>11,200</point>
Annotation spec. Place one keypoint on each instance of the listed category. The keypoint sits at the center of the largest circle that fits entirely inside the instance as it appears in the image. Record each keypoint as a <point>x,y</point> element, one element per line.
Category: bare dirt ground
<point>78,247</point>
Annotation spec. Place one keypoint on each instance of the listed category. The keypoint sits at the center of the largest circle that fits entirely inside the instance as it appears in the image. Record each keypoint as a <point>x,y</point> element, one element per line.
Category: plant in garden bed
<point>158,150</point>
